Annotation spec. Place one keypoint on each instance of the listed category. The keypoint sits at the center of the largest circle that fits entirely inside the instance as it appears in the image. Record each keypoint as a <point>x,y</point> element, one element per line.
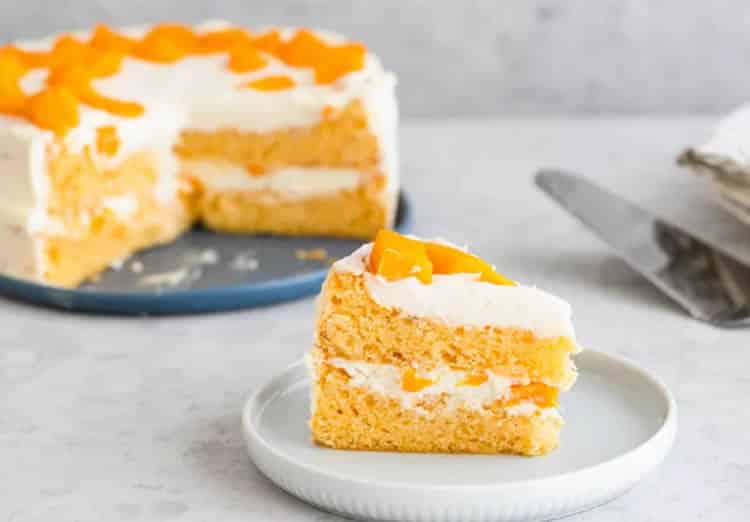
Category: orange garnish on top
<point>221,40</point>
<point>73,64</point>
<point>394,257</point>
<point>450,260</point>
<point>105,39</point>
<point>271,83</point>
<point>55,108</point>
<point>166,43</point>
<point>12,69</point>
<point>329,61</point>
<point>411,382</point>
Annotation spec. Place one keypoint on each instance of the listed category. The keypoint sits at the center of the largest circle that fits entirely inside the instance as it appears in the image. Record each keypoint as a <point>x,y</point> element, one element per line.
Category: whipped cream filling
<point>287,182</point>
<point>124,206</point>
<point>463,300</point>
<point>386,379</point>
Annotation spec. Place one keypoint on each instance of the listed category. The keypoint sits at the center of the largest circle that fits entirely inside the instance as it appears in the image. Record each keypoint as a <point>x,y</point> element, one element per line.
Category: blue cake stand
<point>203,271</point>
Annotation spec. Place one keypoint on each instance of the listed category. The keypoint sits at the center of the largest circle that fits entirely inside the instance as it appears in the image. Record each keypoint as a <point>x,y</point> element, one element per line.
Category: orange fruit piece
<point>121,108</point>
<point>449,260</point>
<point>107,141</point>
<point>304,49</point>
<point>394,257</point>
<point>269,42</point>
<point>271,83</point>
<point>540,394</point>
<point>411,382</point>
<point>221,40</point>
<point>166,43</point>
<point>12,68</point>
<point>243,57</point>
<point>476,379</point>
<point>255,170</point>
<point>339,61</point>
<point>105,39</point>
<point>55,109</point>
<point>75,77</point>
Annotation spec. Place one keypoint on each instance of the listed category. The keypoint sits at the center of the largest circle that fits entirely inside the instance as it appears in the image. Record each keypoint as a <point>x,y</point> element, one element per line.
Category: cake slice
<point>423,347</point>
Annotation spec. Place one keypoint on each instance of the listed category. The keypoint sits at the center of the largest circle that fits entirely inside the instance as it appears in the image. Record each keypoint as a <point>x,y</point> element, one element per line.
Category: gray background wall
<point>487,57</point>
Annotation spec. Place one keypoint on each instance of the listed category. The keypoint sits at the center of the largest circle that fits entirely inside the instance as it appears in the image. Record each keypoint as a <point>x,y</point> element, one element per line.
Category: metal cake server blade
<point>706,281</point>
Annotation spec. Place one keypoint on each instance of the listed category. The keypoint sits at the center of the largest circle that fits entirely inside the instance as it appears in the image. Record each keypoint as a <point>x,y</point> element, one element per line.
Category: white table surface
<point>121,419</point>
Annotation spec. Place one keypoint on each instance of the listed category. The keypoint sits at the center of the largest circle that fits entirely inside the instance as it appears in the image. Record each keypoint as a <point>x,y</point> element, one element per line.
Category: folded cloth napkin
<point>725,158</point>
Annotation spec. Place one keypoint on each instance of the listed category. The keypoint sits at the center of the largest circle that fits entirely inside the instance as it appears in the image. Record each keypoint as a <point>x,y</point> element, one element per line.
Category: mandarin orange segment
<point>55,109</point>
<point>12,98</point>
<point>269,42</point>
<point>32,59</point>
<point>66,49</point>
<point>107,140</point>
<point>339,61</point>
<point>540,394</point>
<point>103,64</point>
<point>105,39</point>
<point>243,57</point>
<point>450,260</point>
<point>166,43</point>
<point>304,49</point>
<point>395,257</point>
<point>271,83</point>
<point>476,379</point>
<point>73,76</point>
<point>411,382</point>
<point>255,170</point>
<point>126,109</point>
<point>394,265</point>
<point>221,40</point>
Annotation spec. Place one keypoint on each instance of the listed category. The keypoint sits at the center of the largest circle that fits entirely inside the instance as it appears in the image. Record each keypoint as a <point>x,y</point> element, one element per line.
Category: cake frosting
<point>462,299</point>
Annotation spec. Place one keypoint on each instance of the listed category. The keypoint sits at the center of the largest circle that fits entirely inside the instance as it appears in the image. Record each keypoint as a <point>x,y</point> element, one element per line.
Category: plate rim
<point>182,300</point>
<point>665,434</point>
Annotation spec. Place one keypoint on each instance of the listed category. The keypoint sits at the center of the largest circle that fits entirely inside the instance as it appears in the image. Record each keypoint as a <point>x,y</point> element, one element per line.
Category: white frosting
<point>287,182</point>
<point>198,92</point>
<point>123,207</point>
<point>463,300</point>
<point>385,379</point>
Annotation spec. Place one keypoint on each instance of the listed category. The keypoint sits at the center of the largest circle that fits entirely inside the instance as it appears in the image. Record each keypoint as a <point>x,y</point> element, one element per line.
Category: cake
<point>113,141</point>
<point>421,346</point>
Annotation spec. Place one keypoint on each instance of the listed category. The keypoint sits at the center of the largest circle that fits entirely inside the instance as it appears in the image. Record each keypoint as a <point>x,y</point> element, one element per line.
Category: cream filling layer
<point>287,182</point>
<point>463,300</point>
<point>386,379</point>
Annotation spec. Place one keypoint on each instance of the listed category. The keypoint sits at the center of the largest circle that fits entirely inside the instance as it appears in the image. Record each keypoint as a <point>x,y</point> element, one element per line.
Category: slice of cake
<point>423,347</point>
<point>112,141</point>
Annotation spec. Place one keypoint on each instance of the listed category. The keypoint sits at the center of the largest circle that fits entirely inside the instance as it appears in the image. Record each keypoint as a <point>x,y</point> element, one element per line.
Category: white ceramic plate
<point>620,424</point>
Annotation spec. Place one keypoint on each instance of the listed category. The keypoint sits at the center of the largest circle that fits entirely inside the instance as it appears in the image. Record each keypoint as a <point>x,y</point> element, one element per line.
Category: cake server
<point>705,280</point>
